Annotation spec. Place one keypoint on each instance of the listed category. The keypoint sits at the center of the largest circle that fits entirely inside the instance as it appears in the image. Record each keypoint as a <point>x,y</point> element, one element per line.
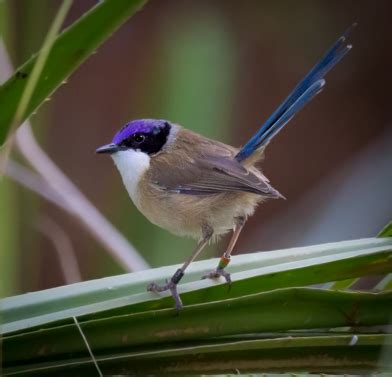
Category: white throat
<point>131,165</point>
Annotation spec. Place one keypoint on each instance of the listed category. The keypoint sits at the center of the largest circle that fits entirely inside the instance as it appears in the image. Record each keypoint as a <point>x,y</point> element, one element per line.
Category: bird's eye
<point>139,138</point>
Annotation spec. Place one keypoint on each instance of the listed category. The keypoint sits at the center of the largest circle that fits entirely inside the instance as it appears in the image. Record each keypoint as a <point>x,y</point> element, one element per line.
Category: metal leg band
<point>177,276</point>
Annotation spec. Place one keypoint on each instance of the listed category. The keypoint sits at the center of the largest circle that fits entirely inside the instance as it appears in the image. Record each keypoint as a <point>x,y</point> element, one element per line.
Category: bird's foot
<point>218,273</point>
<point>220,270</point>
<point>169,286</point>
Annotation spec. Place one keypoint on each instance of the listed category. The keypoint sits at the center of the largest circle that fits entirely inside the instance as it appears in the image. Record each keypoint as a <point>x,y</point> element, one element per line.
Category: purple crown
<point>145,126</point>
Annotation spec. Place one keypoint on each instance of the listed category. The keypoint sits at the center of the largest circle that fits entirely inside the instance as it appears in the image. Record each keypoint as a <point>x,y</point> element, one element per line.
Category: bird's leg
<point>225,258</point>
<point>171,285</point>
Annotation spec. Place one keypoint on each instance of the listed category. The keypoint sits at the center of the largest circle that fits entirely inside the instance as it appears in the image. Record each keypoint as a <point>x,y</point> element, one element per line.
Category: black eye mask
<point>150,142</point>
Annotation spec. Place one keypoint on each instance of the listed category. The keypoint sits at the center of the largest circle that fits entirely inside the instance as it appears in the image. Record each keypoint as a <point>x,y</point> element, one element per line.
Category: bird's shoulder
<point>188,154</point>
<point>195,144</point>
<point>196,165</point>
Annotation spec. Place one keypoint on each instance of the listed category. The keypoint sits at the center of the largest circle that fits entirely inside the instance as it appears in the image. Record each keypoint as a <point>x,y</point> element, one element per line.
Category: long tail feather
<point>302,94</point>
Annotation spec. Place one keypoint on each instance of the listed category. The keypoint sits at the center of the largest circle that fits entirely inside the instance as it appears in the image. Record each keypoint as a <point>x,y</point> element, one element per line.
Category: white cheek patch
<point>131,165</point>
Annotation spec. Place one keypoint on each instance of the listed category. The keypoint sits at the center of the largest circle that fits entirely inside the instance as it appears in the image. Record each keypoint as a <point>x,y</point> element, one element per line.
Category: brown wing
<point>205,167</point>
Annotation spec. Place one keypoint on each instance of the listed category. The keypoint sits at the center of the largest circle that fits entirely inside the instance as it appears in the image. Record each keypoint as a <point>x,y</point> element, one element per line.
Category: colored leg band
<point>177,276</point>
<point>224,261</point>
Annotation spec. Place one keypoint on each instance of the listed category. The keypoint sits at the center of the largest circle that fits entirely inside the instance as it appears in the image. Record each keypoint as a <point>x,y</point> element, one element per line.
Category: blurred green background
<point>219,68</point>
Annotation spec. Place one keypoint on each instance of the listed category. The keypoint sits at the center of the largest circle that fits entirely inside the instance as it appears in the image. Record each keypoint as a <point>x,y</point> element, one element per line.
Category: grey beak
<point>108,148</point>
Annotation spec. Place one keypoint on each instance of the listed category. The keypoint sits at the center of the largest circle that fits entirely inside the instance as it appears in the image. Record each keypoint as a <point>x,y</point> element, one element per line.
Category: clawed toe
<point>169,286</point>
<point>154,287</point>
<point>215,274</point>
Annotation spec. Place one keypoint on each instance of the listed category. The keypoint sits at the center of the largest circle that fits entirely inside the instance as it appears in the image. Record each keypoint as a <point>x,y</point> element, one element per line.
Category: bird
<point>195,186</point>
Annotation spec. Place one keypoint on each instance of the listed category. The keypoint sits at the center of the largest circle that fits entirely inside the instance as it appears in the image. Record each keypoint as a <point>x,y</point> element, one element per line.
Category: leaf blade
<point>278,310</point>
<point>70,49</point>
<point>255,273</point>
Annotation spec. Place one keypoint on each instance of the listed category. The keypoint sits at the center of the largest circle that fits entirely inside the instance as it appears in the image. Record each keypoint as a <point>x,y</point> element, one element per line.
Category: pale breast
<point>132,165</point>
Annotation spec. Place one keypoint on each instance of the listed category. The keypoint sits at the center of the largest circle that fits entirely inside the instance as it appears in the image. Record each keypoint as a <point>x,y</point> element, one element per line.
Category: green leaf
<point>387,231</point>
<point>141,336</point>
<point>9,255</point>
<point>283,353</point>
<point>126,326</point>
<point>343,284</point>
<point>251,273</point>
<point>70,49</point>
<point>348,283</point>
<point>385,284</point>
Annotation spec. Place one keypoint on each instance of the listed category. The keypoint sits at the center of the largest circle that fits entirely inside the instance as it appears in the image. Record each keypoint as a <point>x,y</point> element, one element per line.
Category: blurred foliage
<point>69,50</point>
<point>9,256</point>
<point>386,231</point>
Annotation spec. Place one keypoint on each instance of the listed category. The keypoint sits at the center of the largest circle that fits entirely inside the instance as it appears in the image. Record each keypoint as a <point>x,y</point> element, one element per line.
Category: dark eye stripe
<point>149,142</point>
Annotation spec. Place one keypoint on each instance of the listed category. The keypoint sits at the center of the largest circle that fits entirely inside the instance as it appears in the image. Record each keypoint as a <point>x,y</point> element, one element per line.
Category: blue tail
<point>303,93</point>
